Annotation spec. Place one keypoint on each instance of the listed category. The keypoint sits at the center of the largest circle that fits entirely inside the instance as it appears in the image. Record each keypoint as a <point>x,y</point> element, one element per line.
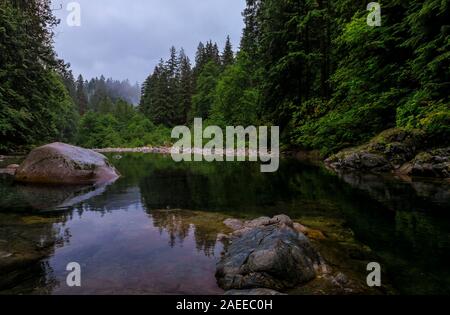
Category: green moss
<point>37,220</point>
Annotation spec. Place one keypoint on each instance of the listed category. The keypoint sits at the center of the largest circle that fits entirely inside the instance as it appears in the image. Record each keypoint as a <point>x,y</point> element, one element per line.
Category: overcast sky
<point>124,39</point>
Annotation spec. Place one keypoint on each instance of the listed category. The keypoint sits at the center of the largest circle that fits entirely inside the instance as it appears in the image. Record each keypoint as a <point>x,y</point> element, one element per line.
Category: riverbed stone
<point>270,255</point>
<point>60,163</point>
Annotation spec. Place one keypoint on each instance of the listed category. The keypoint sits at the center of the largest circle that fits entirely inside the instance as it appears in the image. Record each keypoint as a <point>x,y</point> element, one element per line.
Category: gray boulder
<point>270,255</point>
<point>60,163</point>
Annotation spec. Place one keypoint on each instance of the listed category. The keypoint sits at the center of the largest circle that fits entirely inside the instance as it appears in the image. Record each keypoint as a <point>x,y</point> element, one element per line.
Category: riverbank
<point>196,151</point>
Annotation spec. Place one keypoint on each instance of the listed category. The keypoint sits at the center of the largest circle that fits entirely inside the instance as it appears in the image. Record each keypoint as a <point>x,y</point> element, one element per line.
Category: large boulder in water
<point>267,253</point>
<point>60,163</point>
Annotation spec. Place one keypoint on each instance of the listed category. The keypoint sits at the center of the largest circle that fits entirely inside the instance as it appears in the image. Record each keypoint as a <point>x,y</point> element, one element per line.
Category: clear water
<point>130,237</point>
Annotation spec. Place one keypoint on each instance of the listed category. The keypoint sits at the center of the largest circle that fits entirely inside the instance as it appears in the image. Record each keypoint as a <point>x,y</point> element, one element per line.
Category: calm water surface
<point>132,238</point>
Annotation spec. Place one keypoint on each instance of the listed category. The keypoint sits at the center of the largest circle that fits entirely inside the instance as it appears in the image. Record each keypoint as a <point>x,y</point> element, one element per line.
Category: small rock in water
<point>267,253</point>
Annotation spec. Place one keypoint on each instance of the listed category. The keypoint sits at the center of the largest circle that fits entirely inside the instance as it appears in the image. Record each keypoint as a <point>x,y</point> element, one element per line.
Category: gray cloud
<point>126,38</point>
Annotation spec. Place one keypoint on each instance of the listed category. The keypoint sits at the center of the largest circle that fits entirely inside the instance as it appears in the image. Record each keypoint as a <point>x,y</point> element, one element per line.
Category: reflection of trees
<point>176,227</point>
<point>232,187</point>
<point>398,195</point>
<point>178,224</point>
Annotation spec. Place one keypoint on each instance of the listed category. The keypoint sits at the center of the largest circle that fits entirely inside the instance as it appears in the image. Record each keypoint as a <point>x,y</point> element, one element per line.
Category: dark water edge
<point>130,239</point>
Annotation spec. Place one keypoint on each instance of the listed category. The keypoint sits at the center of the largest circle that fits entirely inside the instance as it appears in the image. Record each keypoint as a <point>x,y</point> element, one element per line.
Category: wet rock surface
<point>363,161</point>
<point>60,163</point>
<point>395,150</point>
<point>434,163</point>
<point>267,253</point>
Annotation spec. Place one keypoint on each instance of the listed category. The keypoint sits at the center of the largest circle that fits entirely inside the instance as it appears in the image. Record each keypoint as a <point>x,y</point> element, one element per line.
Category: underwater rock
<point>60,163</point>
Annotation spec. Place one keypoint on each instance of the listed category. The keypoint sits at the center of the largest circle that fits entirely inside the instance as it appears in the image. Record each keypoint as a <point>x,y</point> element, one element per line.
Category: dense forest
<point>314,67</point>
<point>319,71</point>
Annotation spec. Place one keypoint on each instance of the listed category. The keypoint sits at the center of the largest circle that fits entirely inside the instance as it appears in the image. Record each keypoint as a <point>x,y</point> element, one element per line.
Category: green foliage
<point>123,126</point>
<point>380,77</point>
<point>235,100</point>
<point>35,106</point>
<point>98,131</point>
<point>314,68</point>
<point>203,99</point>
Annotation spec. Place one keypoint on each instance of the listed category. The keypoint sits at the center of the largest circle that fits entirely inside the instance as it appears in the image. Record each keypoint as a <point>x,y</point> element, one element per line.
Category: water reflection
<point>179,223</point>
<point>130,237</point>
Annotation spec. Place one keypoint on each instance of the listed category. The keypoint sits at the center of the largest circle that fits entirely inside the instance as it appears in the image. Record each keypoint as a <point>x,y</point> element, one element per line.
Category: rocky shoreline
<point>396,151</point>
<point>168,151</point>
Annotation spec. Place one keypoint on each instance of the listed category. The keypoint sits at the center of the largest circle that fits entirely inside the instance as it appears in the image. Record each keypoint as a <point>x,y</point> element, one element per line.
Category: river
<point>154,231</point>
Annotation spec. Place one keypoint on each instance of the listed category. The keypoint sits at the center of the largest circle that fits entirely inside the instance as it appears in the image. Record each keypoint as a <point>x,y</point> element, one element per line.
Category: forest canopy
<point>320,72</point>
<point>314,67</point>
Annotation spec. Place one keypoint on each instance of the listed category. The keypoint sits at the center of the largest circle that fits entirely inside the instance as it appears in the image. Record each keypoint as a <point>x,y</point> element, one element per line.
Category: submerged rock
<point>60,163</point>
<point>267,253</point>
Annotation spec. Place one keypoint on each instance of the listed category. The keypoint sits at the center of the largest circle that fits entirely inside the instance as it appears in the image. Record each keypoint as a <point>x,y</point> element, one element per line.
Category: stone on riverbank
<point>60,163</point>
<point>434,163</point>
<point>404,152</point>
<point>267,253</point>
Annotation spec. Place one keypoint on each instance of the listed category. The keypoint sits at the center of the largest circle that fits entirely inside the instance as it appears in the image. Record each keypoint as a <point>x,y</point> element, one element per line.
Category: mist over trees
<point>95,94</point>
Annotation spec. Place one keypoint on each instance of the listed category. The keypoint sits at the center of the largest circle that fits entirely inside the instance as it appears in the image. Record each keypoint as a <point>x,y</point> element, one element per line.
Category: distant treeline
<point>99,94</point>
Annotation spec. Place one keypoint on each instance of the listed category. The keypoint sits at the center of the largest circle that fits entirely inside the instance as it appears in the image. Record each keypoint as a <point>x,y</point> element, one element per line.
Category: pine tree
<point>200,59</point>
<point>203,98</point>
<point>227,57</point>
<point>249,40</point>
<point>184,95</point>
<point>35,106</point>
<point>70,84</point>
<point>81,97</point>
